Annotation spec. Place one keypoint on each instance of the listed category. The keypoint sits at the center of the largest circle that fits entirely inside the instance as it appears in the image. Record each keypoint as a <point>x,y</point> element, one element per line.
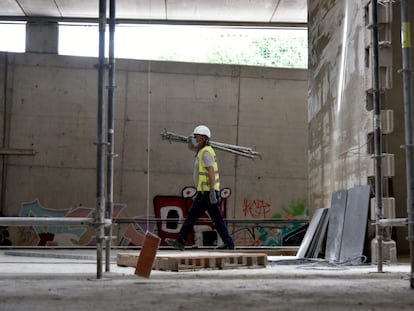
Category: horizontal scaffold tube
<point>40,221</point>
<point>393,222</point>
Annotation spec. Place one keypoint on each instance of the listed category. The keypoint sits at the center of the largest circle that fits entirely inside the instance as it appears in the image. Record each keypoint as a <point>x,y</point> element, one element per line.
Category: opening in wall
<point>256,46</point>
<point>13,37</point>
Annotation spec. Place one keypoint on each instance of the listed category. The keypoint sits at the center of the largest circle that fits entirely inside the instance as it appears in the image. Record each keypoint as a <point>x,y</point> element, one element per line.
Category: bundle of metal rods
<point>239,150</point>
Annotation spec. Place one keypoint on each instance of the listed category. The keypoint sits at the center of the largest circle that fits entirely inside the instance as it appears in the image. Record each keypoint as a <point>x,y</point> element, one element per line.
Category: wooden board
<point>270,251</point>
<point>185,261</point>
<point>147,255</point>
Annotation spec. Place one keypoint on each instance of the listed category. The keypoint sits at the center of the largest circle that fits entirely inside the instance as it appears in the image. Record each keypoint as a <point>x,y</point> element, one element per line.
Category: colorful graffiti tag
<point>264,232</point>
<point>53,235</point>
<point>169,212</point>
<point>256,208</point>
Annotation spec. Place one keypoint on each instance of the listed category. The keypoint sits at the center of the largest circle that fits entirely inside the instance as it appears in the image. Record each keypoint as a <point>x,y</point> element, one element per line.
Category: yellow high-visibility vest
<point>203,179</point>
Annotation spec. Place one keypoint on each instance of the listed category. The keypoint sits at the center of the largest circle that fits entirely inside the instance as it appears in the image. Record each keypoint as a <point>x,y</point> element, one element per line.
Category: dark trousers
<point>202,204</point>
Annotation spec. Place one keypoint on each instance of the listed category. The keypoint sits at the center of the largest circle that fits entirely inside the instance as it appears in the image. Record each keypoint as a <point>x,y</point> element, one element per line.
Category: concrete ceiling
<point>273,12</point>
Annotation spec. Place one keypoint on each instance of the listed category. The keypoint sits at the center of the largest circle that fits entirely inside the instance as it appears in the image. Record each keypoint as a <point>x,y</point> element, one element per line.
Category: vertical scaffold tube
<point>111,131</point>
<point>100,163</point>
<point>408,113</point>
<point>377,132</point>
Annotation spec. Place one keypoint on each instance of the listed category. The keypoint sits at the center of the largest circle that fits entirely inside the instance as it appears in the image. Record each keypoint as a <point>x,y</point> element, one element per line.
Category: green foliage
<point>288,49</point>
<point>288,52</point>
<point>275,51</point>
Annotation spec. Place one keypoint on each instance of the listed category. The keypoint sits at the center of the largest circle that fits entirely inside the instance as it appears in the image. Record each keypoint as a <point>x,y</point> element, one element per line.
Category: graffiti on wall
<point>286,229</point>
<point>130,232</point>
<point>134,234</point>
<point>275,234</point>
<point>256,208</point>
<point>265,229</point>
<point>54,235</point>
<point>5,237</point>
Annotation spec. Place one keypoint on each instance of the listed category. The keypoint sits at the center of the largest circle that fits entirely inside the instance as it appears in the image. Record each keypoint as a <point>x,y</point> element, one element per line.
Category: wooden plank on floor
<point>185,261</point>
<point>127,259</point>
<point>270,251</point>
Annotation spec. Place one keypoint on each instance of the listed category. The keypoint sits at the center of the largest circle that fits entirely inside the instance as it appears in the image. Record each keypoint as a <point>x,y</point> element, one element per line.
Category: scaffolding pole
<point>102,220</point>
<point>110,135</point>
<point>100,162</point>
<point>44,221</point>
<point>377,132</point>
<point>408,118</point>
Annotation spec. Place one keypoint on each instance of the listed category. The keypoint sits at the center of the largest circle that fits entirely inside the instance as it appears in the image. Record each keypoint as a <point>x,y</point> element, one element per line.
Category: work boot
<point>175,243</point>
<point>226,246</point>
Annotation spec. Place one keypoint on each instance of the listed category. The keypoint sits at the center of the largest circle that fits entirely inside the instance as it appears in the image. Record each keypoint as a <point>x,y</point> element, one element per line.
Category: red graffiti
<point>256,208</point>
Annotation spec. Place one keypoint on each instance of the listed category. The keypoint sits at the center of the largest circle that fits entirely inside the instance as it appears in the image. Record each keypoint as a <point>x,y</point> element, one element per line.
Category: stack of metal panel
<point>342,228</point>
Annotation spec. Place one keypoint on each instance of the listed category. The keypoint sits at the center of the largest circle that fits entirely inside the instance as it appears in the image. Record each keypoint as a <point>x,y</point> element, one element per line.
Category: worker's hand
<point>213,198</point>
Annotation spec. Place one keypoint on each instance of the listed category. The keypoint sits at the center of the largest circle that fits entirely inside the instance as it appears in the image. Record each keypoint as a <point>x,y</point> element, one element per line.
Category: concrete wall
<point>49,104</point>
<point>340,101</point>
<point>338,119</point>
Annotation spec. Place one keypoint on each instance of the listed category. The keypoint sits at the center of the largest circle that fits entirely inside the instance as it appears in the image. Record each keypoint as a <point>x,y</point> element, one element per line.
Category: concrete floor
<point>31,282</point>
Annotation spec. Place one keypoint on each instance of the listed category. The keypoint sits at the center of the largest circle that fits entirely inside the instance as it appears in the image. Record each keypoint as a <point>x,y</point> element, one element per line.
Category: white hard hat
<point>202,130</point>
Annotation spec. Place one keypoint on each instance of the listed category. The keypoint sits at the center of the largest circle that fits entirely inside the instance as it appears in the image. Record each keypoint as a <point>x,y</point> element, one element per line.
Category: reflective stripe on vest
<point>203,179</point>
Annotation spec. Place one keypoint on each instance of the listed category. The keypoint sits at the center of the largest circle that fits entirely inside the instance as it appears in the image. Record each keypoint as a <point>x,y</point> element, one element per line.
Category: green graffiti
<point>296,208</point>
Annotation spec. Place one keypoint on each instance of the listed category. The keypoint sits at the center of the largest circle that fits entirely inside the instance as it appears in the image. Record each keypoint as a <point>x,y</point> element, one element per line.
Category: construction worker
<point>206,178</point>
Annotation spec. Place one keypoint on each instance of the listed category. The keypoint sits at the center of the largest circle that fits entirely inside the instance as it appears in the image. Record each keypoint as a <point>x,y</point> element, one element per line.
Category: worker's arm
<point>212,180</point>
<point>211,177</point>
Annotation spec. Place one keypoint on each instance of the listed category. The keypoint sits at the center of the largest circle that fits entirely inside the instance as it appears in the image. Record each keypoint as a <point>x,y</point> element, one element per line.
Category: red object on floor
<point>147,255</point>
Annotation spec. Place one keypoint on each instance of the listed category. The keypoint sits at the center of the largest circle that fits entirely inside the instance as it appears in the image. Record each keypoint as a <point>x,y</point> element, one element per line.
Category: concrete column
<point>42,37</point>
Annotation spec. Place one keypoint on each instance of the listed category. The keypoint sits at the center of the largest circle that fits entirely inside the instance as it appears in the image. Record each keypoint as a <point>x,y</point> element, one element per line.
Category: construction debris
<point>238,150</point>
<point>147,255</point>
<point>190,261</point>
